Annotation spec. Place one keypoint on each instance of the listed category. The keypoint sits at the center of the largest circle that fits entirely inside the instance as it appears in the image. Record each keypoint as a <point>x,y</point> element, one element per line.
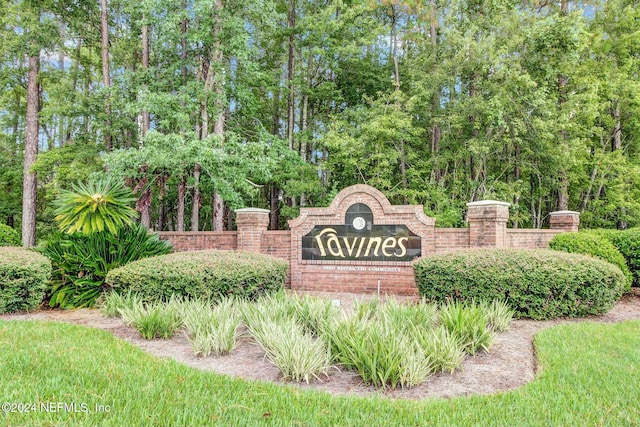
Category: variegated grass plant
<point>297,354</point>
<point>381,350</point>
<point>153,320</point>
<point>499,314</point>
<point>467,321</point>
<point>111,303</point>
<point>211,329</point>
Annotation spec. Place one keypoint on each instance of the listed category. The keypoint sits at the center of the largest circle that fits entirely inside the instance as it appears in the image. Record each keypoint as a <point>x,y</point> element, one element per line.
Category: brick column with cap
<point>252,223</point>
<point>564,220</point>
<point>487,223</point>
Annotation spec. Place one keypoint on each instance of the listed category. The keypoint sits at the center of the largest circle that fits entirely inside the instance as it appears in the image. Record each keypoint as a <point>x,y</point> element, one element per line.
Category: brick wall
<point>193,241</point>
<point>529,238</point>
<point>487,229</point>
<point>277,244</point>
<point>450,239</point>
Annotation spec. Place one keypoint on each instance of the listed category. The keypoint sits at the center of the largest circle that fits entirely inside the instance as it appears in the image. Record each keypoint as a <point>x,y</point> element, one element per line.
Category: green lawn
<point>590,375</point>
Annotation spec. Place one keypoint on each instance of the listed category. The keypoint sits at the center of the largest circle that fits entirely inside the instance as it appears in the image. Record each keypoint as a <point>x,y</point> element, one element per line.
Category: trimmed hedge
<point>9,236</point>
<point>628,243</point>
<point>23,279</point>
<point>201,274</point>
<point>593,244</point>
<point>538,284</point>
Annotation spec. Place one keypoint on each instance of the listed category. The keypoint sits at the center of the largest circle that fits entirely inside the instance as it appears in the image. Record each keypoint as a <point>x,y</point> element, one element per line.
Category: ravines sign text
<point>359,239</point>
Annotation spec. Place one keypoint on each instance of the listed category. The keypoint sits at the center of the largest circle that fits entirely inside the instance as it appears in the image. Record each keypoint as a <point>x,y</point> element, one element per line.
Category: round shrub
<point>593,244</point>
<point>628,243</point>
<point>23,279</point>
<point>9,236</point>
<point>201,274</point>
<point>539,284</point>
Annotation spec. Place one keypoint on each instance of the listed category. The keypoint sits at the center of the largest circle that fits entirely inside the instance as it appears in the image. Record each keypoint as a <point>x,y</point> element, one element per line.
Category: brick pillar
<point>251,222</point>
<point>564,220</point>
<point>488,223</point>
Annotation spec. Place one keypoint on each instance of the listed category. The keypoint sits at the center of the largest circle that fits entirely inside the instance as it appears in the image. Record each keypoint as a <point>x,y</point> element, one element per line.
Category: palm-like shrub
<point>94,207</point>
<point>81,262</point>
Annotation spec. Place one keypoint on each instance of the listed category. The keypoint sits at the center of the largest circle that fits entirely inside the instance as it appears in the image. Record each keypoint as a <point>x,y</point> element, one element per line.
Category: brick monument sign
<point>362,243</point>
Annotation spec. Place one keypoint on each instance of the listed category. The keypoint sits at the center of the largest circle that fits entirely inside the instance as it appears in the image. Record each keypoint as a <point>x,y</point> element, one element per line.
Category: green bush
<point>209,274</point>
<point>539,284</point>
<point>23,279</point>
<point>594,244</point>
<point>9,236</point>
<point>81,262</point>
<point>628,243</point>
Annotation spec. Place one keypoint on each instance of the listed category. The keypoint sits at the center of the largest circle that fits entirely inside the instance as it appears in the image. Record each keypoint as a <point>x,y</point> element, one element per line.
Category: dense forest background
<point>205,106</point>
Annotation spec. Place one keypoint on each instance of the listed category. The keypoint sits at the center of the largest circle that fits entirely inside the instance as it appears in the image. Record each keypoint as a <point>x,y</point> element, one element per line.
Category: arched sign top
<point>367,193</point>
<point>360,225</point>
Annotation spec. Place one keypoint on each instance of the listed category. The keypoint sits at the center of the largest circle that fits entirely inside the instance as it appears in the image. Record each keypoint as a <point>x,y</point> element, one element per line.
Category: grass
<point>468,323</point>
<point>156,320</point>
<point>297,354</point>
<point>590,376</point>
<point>211,328</point>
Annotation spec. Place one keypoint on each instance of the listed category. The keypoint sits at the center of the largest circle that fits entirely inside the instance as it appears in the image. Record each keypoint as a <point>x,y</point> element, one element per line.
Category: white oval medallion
<point>359,223</point>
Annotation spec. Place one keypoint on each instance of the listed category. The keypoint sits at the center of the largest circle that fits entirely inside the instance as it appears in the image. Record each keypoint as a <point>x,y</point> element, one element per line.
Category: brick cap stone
<point>252,210</point>
<point>564,213</point>
<point>488,203</point>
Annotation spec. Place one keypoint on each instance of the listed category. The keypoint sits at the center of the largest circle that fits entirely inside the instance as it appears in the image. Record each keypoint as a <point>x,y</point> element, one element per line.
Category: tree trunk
<point>291,119</point>
<point>217,219</point>
<point>182,187</point>
<point>195,210</point>
<point>183,42</point>
<point>435,102</point>
<point>143,205</point>
<point>394,47</point>
<point>145,66</point>
<point>217,83</point>
<point>563,178</point>
<point>616,138</point>
<point>275,196</point>
<point>30,182</point>
<point>106,80</point>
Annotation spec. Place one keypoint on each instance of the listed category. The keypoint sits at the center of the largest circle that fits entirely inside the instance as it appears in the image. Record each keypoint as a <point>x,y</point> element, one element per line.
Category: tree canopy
<point>205,106</point>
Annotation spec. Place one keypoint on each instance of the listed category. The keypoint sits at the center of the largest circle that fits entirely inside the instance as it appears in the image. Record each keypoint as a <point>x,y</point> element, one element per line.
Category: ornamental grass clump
<point>298,355</point>
<point>154,320</point>
<point>444,349</point>
<point>211,329</point>
<point>314,314</point>
<point>112,302</point>
<point>468,323</point>
<point>381,351</point>
<point>499,314</point>
<point>421,314</point>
